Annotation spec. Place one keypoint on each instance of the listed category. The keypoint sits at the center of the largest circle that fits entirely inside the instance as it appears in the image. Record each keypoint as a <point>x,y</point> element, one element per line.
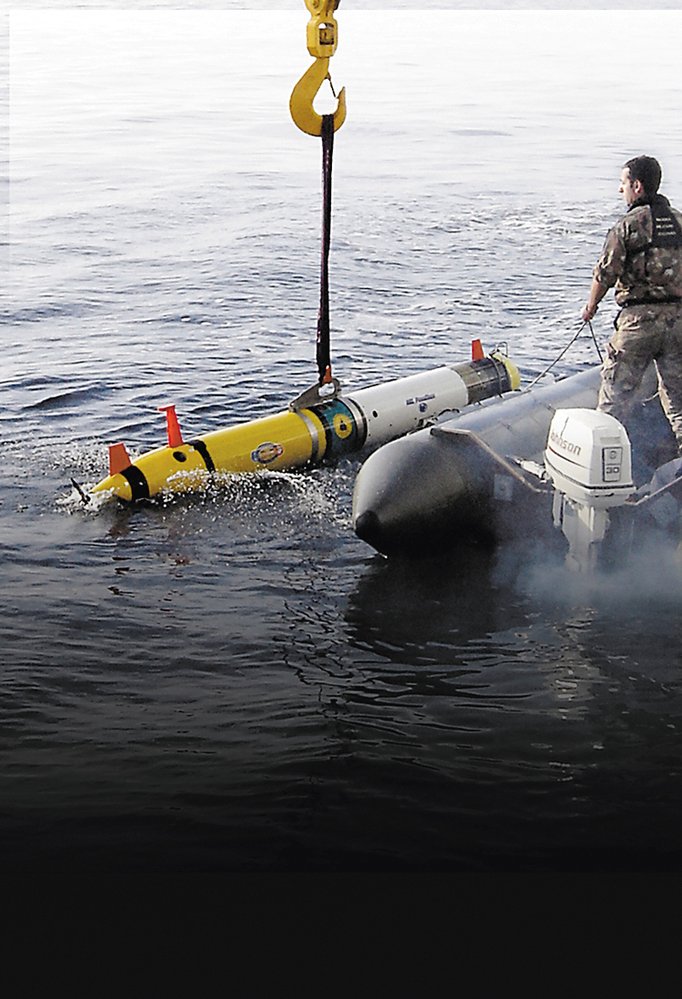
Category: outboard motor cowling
<point>589,462</point>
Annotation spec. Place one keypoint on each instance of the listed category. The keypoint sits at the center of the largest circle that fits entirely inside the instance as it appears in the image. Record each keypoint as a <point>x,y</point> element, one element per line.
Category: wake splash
<point>280,496</point>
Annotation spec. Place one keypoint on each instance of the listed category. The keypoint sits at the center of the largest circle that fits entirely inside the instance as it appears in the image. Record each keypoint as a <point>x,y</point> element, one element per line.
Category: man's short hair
<point>648,171</point>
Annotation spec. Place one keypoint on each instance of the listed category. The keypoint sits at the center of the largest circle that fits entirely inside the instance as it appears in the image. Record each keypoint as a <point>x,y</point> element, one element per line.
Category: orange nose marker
<point>172,426</point>
<point>119,459</point>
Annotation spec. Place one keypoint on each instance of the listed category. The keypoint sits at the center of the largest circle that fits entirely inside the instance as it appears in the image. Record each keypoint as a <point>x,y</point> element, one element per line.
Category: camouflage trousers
<point>644,333</point>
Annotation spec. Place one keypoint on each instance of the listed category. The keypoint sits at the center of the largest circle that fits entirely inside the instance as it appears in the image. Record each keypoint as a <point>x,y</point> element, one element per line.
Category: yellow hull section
<point>284,440</point>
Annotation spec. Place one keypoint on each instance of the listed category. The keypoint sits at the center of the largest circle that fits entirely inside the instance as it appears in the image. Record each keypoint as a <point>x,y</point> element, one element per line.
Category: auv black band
<point>139,487</point>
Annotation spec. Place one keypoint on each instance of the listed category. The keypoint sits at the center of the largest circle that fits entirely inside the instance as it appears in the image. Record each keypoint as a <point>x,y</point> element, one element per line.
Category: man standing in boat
<point>642,258</point>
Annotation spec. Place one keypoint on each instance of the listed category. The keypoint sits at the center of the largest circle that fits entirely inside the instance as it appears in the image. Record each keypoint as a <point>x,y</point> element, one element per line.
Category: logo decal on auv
<point>266,453</point>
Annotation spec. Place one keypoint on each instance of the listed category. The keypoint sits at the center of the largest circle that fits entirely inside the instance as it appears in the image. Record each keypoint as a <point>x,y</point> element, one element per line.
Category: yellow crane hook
<point>321,40</point>
<point>301,102</point>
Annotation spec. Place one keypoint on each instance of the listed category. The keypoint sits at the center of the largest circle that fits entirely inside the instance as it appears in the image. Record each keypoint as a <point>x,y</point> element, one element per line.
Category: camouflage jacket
<point>642,254</point>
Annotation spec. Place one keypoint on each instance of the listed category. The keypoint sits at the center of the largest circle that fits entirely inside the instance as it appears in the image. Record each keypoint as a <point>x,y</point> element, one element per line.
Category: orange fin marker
<point>119,459</point>
<point>172,426</point>
<point>476,351</point>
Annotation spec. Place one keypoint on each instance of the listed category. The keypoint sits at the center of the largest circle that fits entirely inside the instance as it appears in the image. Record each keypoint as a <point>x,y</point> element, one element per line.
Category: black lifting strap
<point>323,350</point>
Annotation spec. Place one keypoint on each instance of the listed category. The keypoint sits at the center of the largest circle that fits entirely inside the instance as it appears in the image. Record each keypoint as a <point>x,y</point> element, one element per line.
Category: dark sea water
<point>233,682</point>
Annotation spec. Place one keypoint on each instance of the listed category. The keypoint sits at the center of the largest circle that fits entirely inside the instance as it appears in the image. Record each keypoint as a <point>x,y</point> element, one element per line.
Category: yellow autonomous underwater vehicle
<point>307,434</point>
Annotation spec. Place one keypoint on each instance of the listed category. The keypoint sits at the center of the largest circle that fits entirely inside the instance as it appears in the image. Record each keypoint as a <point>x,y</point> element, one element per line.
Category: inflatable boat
<point>538,464</point>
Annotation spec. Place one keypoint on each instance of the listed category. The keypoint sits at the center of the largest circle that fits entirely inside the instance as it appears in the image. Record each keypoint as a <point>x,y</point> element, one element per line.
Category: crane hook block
<point>321,28</point>
<point>321,38</point>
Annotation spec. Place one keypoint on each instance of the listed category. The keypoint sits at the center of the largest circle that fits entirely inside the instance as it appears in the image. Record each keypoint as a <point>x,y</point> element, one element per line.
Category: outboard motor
<point>588,460</point>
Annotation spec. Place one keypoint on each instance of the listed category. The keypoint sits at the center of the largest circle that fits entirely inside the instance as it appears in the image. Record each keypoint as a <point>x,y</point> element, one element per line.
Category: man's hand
<point>597,292</point>
<point>589,312</point>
